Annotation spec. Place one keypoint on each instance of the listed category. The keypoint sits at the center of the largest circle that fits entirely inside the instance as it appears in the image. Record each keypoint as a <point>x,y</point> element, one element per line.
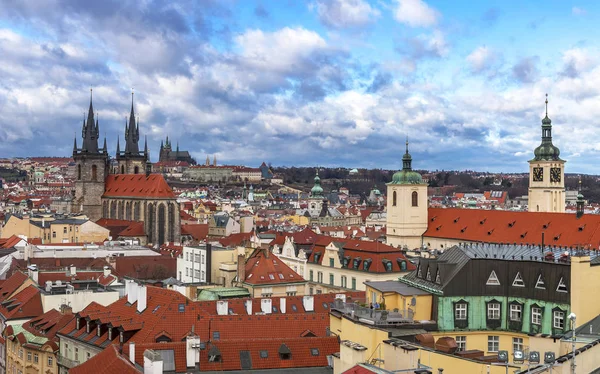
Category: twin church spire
<point>90,132</point>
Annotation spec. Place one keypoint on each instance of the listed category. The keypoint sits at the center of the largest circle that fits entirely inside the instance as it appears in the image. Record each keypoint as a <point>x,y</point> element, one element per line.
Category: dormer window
<point>98,330</point>
<point>110,333</point>
<point>428,275</point>
<point>493,279</point>
<point>437,277</point>
<point>540,284</point>
<point>87,327</point>
<point>562,287</point>
<point>77,321</point>
<point>518,281</point>
<point>121,337</point>
<point>419,272</point>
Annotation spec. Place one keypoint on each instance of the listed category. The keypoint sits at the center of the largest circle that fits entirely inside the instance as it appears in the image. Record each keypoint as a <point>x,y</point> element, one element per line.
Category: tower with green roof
<point>315,203</point>
<point>546,174</point>
<point>406,206</point>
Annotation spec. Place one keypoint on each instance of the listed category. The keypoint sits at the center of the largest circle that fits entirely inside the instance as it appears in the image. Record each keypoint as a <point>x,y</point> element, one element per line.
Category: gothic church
<point>129,191</point>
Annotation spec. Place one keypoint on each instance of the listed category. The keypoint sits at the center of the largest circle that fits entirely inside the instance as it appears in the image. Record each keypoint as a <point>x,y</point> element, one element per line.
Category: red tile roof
<point>500,226</point>
<point>10,242</point>
<point>63,263</point>
<point>185,216</point>
<point>266,268</point>
<point>109,361</point>
<point>137,185</point>
<point>134,230</point>
<point>115,226</point>
<point>146,267</point>
<point>10,285</point>
<point>170,249</point>
<point>25,304</point>
<point>198,231</point>
<point>48,324</point>
<point>235,239</point>
<point>53,276</point>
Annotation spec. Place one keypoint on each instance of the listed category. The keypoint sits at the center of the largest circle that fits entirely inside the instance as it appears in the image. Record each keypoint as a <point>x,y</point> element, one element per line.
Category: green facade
<point>477,314</point>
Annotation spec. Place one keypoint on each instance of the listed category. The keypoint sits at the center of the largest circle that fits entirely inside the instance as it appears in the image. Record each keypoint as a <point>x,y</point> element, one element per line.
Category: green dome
<point>546,151</point>
<point>407,177</point>
<point>317,190</point>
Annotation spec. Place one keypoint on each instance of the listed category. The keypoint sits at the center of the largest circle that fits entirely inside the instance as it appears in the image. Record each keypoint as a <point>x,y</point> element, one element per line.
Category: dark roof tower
<point>90,132</point>
<point>546,151</point>
<point>132,133</point>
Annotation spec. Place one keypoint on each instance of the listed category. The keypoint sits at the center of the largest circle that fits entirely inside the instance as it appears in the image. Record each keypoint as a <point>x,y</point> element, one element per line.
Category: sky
<point>307,83</point>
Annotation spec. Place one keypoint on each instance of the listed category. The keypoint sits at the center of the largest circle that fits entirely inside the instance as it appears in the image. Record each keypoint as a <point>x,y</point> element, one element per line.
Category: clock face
<point>538,174</point>
<point>555,175</point>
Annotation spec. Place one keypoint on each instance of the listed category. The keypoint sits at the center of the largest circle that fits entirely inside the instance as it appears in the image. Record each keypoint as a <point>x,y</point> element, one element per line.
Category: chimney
<point>241,267</point>
<point>309,303</point>
<point>208,263</point>
<point>73,270</point>
<point>106,271</point>
<point>192,353</point>
<point>282,301</point>
<point>33,272</point>
<point>132,352</point>
<point>248,304</point>
<point>142,295</point>
<point>222,307</point>
<point>153,363</point>
<point>66,309</point>
<point>131,290</point>
<point>266,306</point>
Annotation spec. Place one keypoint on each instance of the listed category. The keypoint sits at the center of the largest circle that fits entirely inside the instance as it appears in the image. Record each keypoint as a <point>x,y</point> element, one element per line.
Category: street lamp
<point>573,317</point>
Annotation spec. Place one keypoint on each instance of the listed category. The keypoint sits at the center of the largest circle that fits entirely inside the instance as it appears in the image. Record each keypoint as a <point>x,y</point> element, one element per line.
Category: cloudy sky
<point>316,82</point>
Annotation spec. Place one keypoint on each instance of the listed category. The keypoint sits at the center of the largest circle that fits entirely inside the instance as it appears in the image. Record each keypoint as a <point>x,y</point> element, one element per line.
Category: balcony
<point>67,362</point>
<point>374,316</point>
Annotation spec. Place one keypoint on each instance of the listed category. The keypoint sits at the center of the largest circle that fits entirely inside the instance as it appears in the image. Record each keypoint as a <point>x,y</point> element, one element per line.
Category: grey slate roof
<point>395,286</point>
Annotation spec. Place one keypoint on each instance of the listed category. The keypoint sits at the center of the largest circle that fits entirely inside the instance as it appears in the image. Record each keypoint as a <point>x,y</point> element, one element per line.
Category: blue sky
<point>316,82</point>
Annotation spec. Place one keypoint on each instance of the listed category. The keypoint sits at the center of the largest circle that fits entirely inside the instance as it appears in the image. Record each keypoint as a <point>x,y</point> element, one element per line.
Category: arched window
<point>122,169</point>
<point>113,209</point>
<point>127,211</point>
<point>79,172</point>
<point>415,198</point>
<point>150,219</point>
<point>161,224</point>
<point>105,209</point>
<point>136,211</point>
<point>394,198</point>
<point>136,170</point>
<point>171,226</point>
<point>120,210</point>
<point>94,172</point>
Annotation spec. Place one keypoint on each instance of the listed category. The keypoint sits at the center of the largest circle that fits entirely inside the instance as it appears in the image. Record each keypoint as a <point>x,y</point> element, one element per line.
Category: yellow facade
<point>584,283</point>
<point>406,217</point>
<point>28,360</point>
<point>50,230</point>
<point>545,195</point>
<point>298,220</point>
<point>422,307</point>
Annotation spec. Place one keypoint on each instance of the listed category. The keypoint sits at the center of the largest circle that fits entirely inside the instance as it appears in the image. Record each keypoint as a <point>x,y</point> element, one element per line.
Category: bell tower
<point>546,174</point>
<point>407,206</point>
<point>91,169</point>
<point>131,160</point>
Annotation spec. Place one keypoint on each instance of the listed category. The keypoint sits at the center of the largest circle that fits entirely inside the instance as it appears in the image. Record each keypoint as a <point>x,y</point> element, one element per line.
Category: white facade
<point>406,214</point>
<point>547,188</point>
<point>192,265</point>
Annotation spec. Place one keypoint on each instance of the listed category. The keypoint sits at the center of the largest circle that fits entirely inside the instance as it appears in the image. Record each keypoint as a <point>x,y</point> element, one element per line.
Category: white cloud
<point>577,11</point>
<point>345,13</point>
<point>481,58</point>
<point>416,13</point>
<point>576,61</point>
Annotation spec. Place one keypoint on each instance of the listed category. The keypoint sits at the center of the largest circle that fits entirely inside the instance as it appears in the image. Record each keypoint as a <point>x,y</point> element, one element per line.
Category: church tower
<point>91,169</point>
<point>315,203</point>
<point>131,160</point>
<point>546,174</point>
<point>406,207</point>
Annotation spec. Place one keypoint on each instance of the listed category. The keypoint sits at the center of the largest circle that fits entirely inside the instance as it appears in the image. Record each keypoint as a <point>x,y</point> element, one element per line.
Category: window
<point>516,311</point>
<point>79,172</point>
<point>291,293</point>
<point>394,198</point>
<point>562,287</point>
<point>438,280</point>
<point>461,343</point>
<point>331,279</point>
<point>518,282</point>
<point>36,358</point>
<point>203,258</point>
<point>187,272</point>
<point>415,198</point>
<point>320,277</point>
<point>76,354</point>
<point>54,234</point>
<point>428,277</point>
<point>314,351</point>
<point>493,279</point>
<point>536,316</point>
<point>517,344</point>
<point>50,362</point>
<point>353,283</point>
<point>310,275</point>
<point>540,283</point>
<point>493,311</point>
<point>28,356</point>
<point>558,320</point>
<point>20,352</point>
<point>331,262</point>
<point>64,230</point>
<point>94,172</point>
<point>216,335</point>
<point>493,343</point>
<point>264,354</point>
<point>344,281</point>
<point>88,355</point>
<point>460,311</point>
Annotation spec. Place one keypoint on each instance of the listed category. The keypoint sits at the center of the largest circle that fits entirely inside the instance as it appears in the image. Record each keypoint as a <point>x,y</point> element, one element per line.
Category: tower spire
<point>146,146</point>
<point>407,159</point>
<point>118,147</point>
<point>90,130</point>
<point>546,105</point>
<point>132,134</point>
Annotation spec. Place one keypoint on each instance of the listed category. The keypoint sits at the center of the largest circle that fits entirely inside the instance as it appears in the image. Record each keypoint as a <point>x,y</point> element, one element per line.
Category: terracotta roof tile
<point>266,268</point>
<point>198,231</point>
<point>137,185</point>
<point>135,229</point>
<point>109,361</point>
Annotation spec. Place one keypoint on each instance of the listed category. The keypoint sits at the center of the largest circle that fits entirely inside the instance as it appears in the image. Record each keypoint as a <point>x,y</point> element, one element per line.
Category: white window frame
<point>517,344</point>
<point>461,343</point>
<point>460,311</point>
<point>518,281</point>
<point>562,287</point>
<point>558,316</point>
<point>536,315</point>
<point>493,279</point>
<point>493,340</point>
<point>493,310</point>
<point>516,308</point>
<point>540,284</point>
<point>428,276</point>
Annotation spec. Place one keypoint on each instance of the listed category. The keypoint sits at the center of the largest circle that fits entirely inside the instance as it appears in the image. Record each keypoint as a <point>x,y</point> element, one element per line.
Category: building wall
<point>219,257</point>
<point>75,351</point>
<point>89,191</point>
<point>406,223</point>
<point>72,233</point>
<point>18,226</point>
<point>422,307</point>
<point>28,360</point>
<point>78,300</point>
<point>191,265</point>
<point>584,281</point>
<point>276,290</point>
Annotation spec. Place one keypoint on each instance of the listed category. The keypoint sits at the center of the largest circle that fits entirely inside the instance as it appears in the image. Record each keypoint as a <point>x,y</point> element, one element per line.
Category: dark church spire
<point>90,131</point>
<point>132,133</point>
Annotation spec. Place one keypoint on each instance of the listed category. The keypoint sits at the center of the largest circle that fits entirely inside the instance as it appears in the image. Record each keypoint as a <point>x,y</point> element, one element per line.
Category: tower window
<point>415,198</point>
<point>94,172</point>
<point>79,172</point>
<point>136,170</point>
<point>394,198</point>
<point>122,169</point>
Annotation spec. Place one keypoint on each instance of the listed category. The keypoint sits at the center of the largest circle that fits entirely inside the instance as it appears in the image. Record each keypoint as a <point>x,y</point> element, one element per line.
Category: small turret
<point>580,202</point>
